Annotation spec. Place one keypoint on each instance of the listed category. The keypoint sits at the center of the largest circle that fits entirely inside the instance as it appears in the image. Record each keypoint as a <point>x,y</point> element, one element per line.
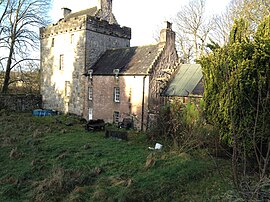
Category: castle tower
<point>70,47</point>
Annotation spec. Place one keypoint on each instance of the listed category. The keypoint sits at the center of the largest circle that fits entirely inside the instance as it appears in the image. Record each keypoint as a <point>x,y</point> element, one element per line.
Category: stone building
<point>88,67</point>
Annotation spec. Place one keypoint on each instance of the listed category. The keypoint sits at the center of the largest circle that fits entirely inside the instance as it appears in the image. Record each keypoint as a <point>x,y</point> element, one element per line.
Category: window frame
<point>52,44</point>
<point>90,93</point>
<point>67,89</point>
<point>71,38</point>
<point>116,117</point>
<point>90,113</point>
<point>116,94</point>
<point>61,62</point>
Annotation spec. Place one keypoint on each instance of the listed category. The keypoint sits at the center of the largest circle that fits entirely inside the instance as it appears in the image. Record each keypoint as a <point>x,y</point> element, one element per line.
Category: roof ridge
<point>131,60</point>
<point>124,48</point>
<point>82,12</point>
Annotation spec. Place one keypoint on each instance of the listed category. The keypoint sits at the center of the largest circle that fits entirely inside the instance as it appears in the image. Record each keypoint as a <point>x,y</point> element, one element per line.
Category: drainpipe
<point>142,120</point>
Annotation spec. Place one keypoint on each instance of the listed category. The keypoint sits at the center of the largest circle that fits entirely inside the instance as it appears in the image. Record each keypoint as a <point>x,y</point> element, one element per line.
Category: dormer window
<point>116,73</point>
<point>90,73</point>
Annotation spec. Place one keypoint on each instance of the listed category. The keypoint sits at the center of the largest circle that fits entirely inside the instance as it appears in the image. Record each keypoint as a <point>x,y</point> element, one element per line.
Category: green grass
<point>42,159</point>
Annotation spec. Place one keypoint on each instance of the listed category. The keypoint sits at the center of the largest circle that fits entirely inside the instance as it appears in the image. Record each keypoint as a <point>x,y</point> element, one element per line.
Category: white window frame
<point>90,113</point>
<point>90,93</point>
<point>116,94</point>
<point>116,117</point>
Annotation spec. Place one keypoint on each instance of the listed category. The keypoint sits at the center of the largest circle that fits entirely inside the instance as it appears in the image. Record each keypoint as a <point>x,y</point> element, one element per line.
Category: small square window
<point>116,94</point>
<point>61,62</point>
<point>90,91</point>
<point>116,117</point>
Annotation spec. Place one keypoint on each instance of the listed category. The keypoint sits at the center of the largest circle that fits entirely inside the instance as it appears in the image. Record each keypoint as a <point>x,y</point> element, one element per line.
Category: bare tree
<point>252,11</point>
<point>192,30</point>
<point>19,34</point>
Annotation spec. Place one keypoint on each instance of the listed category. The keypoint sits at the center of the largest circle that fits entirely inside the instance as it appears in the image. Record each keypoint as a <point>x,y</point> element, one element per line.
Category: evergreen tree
<point>237,83</point>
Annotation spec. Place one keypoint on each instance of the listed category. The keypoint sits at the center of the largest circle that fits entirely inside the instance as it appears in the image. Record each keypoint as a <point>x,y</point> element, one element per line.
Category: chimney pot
<point>66,11</point>
<point>167,35</point>
<point>105,5</point>
<point>168,25</point>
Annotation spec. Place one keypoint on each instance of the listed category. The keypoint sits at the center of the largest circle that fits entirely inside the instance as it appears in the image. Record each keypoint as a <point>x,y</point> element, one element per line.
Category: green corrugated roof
<point>187,78</point>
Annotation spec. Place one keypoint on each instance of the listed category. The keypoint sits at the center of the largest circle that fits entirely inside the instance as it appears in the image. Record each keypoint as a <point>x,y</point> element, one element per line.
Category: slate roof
<point>186,81</point>
<point>90,11</point>
<point>132,60</point>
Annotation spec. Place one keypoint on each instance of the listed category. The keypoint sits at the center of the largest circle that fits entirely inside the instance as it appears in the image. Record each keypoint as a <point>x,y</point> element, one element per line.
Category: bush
<point>183,126</point>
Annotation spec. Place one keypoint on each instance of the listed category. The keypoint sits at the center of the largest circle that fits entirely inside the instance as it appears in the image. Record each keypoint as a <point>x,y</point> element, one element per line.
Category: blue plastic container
<point>43,112</point>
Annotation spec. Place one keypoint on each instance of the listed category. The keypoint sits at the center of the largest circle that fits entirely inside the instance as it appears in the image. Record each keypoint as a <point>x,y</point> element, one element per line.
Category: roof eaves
<point>120,74</point>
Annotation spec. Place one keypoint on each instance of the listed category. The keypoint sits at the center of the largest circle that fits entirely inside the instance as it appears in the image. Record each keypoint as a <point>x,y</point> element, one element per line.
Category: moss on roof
<point>133,60</point>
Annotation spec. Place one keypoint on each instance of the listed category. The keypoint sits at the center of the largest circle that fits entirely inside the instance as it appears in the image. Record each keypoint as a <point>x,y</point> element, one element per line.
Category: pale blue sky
<point>143,16</point>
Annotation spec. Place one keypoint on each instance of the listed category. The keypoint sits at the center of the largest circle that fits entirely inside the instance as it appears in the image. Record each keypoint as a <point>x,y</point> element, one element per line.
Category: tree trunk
<point>8,68</point>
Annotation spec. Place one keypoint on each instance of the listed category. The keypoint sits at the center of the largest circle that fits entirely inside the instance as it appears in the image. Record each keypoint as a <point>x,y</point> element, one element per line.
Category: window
<point>90,91</point>
<point>90,116</point>
<point>52,42</point>
<point>72,38</point>
<point>116,117</point>
<point>116,94</point>
<point>67,88</point>
<point>61,63</point>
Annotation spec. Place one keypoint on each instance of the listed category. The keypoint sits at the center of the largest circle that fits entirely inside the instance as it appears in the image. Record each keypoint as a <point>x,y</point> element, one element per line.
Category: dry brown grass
<point>64,182</point>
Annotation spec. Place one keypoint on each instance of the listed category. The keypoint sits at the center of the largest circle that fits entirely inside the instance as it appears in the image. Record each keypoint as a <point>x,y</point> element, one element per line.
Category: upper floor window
<point>90,91</point>
<point>72,38</point>
<point>52,45</point>
<point>61,63</point>
<point>116,94</point>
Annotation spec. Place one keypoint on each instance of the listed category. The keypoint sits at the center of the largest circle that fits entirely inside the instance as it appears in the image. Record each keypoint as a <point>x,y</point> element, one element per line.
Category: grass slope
<point>42,159</point>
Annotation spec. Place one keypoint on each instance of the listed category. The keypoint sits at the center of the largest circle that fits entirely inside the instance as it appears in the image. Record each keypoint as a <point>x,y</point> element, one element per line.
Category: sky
<point>144,17</point>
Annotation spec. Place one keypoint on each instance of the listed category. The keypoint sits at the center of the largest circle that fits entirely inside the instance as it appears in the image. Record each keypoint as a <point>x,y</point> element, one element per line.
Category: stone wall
<point>162,70</point>
<point>20,103</point>
<point>80,41</point>
<point>71,45</point>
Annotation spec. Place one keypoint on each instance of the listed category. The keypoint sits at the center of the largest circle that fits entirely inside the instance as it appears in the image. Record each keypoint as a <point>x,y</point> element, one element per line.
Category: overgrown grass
<point>43,159</point>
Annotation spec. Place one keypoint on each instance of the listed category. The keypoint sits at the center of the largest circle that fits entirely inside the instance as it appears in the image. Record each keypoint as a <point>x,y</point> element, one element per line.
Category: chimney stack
<point>105,11</point>
<point>66,11</point>
<point>167,35</point>
<point>105,5</point>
